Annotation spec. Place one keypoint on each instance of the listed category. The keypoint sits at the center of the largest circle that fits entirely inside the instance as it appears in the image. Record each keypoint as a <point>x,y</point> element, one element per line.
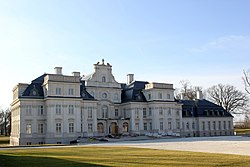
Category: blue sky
<point>205,42</point>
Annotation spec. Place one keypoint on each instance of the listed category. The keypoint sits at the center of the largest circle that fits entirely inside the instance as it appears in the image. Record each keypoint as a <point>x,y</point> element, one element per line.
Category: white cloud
<point>231,42</point>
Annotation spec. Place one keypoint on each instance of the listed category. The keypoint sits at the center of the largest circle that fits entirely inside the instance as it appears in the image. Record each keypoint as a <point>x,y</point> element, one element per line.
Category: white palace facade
<point>57,108</point>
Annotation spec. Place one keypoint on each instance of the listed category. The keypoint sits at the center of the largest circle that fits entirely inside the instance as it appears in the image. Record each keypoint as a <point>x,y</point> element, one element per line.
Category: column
<point>132,120</point>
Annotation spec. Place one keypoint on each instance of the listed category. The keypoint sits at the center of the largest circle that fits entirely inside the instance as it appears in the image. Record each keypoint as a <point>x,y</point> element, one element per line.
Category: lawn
<point>115,156</point>
<point>4,140</point>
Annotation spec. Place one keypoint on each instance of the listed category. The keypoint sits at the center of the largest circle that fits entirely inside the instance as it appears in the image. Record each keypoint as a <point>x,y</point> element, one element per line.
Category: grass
<point>242,131</point>
<point>115,156</point>
<point>4,140</point>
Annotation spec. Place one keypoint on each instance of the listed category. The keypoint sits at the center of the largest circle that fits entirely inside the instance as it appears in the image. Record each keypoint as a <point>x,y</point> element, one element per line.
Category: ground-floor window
<point>58,128</point>
<point>90,128</point>
<point>71,127</point>
<point>161,125</point>
<point>28,128</point>
<point>145,126</point>
<point>125,127</point>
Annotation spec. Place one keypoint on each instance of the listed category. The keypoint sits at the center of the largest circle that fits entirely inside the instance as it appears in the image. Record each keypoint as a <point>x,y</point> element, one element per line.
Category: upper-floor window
<point>137,113</point>
<point>203,125</point>
<point>144,113</point>
<point>58,109</point>
<point>71,91</point>
<point>149,111</point>
<point>193,125</point>
<point>89,112</point>
<point>40,110</point>
<point>209,125</point>
<point>187,125</point>
<point>58,91</point>
<point>71,109</point>
<point>28,110</point>
<point>169,111</point>
<point>160,111</point>
<point>168,96</point>
<point>105,112</point>
<point>160,95</point>
<point>103,79</point>
<point>116,112</point>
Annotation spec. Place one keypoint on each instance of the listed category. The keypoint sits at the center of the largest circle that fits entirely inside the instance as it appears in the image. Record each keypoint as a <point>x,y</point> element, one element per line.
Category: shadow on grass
<point>30,161</point>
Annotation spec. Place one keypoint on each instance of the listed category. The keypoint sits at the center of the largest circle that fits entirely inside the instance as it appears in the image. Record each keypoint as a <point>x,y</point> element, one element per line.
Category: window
<point>150,126</point>
<point>104,95</point>
<point>89,112</point>
<point>224,124</point>
<point>124,113</point>
<point>229,124</point>
<point>58,109</point>
<point>169,125</point>
<point>169,111</point>
<point>28,129</point>
<point>177,113</point>
<point>40,129</point>
<point>71,127</point>
<point>149,96</point>
<point>161,125</point>
<point>136,126</point>
<point>187,125</point>
<point>193,125</point>
<point>103,79</point>
<point>177,125</point>
<point>71,109</point>
<point>214,125</point>
<point>160,95</point>
<point>116,112</point>
<point>137,113</point>
<point>150,111</point>
<point>125,127</point>
<point>203,125</point>
<point>145,126</point>
<point>40,110</point>
<point>28,110</point>
<point>71,91</point>
<point>105,112</point>
<point>161,111</point>
<point>168,96</point>
<point>58,91</point>
<point>219,125</point>
<point>144,113</point>
<point>209,125</point>
<point>58,128</point>
<point>90,128</point>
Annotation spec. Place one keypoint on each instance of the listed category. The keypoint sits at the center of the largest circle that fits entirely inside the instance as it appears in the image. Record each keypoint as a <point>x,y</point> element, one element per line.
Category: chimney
<point>58,70</point>
<point>76,74</point>
<point>199,95</point>
<point>130,78</point>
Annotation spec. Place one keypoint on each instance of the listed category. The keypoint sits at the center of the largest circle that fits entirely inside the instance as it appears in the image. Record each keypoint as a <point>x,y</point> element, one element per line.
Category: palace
<point>57,108</point>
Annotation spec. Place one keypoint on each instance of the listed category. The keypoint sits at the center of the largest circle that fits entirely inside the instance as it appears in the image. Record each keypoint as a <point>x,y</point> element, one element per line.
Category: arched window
<point>103,79</point>
<point>100,128</point>
<point>125,127</point>
<point>105,112</point>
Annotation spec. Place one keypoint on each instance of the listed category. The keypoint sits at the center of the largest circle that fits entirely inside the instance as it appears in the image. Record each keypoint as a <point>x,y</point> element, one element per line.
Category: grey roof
<point>133,92</point>
<point>202,108</point>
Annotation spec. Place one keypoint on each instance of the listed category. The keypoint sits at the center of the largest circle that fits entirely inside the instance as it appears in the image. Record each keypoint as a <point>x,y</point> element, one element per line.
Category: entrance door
<point>113,128</point>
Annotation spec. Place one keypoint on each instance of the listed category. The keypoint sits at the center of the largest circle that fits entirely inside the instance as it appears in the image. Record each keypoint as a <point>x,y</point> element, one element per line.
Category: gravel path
<point>224,144</point>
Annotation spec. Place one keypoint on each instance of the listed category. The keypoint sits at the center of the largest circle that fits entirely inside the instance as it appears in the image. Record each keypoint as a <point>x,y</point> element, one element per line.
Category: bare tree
<point>227,96</point>
<point>187,90</point>
<point>246,79</point>
<point>5,122</point>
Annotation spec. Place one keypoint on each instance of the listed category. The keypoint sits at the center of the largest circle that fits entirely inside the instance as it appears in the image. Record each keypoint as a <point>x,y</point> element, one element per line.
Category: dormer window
<point>103,79</point>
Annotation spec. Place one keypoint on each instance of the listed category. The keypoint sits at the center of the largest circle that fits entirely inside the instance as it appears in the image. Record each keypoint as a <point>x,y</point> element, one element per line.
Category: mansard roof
<point>133,92</point>
<point>35,89</point>
<point>202,108</point>
<point>84,94</point>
